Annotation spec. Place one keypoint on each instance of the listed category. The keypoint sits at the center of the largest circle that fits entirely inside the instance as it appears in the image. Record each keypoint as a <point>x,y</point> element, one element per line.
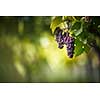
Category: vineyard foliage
<point>84,29</point>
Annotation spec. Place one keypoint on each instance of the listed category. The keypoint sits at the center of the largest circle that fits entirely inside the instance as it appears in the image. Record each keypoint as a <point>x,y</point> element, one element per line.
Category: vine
<point>78,33</point>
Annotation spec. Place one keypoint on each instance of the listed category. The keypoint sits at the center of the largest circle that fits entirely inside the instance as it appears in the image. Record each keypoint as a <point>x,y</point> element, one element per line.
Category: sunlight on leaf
<point>55,22</point>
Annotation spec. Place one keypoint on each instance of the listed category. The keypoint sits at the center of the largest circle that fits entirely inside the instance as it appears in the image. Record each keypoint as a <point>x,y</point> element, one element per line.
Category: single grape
<point>60,46</point>
<point>57,30</point>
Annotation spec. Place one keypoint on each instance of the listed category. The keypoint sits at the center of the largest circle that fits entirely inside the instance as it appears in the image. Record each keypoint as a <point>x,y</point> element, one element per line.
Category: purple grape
<point>59,37</point>
<point>60,45</point>
<point>69,42</point>
<point>70,55</point>
<point>57,30</point>
<point>70,46</point>
<point>65,36</point>
<point>65,39</point>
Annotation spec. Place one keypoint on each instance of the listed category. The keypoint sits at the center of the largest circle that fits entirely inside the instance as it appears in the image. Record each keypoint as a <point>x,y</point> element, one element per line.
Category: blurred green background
<point>29,53</point>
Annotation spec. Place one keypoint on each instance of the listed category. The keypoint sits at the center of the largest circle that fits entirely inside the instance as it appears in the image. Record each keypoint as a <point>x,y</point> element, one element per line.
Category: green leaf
<point>77,28</point>
<point>79,48</point>
<point>83,36</point>
<point>86,48</point>
<point>77,32</point>
<point>71,18</point>
<point>55,22</point>
<point>78,17</point>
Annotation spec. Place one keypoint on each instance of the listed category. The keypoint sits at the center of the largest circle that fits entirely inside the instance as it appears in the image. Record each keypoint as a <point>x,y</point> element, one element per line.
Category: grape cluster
<point>70,46</point>
<point>65,39</point>
<point>59,37</point>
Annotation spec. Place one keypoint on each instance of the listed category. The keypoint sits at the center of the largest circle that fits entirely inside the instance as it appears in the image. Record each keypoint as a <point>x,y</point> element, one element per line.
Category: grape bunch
<point>65,39</point>
<point>59,37</point>
<point>70,46</point>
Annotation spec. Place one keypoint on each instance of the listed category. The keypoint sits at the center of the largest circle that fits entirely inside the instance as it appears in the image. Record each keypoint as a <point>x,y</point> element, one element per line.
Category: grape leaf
<point>77,28</point>
<point>77,32</point>
<point>83,36</point>
<point>79,48</point>
<point>86,48</point>
<point>55,22</point>
<point>71,18</point>
<point>78,17</point>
